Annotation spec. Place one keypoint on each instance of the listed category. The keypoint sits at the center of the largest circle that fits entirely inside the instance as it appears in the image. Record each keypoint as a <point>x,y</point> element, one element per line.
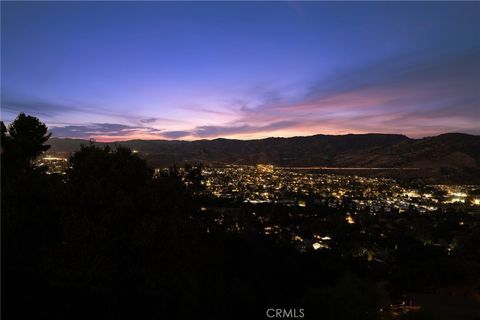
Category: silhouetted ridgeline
<point>447,158</point>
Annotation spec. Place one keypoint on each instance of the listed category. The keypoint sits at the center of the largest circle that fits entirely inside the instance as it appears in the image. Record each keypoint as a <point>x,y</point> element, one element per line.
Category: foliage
<point>25,140</point>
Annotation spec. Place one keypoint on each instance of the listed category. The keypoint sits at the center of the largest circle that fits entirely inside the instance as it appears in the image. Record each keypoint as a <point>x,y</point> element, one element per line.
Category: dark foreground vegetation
<point>110,239</point>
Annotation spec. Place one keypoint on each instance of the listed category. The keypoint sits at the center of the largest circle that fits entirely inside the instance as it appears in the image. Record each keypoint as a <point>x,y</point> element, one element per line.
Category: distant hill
<point>447,158</point>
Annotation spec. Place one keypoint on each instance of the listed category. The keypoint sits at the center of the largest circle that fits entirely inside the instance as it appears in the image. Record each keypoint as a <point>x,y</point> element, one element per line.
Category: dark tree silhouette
<point>5,139</point>
<point>5,144</point>
<point>30,225</point>
<point>24,142</point>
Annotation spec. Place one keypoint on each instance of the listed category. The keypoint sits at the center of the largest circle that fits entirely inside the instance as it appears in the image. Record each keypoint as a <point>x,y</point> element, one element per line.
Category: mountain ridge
<point>449,157</point>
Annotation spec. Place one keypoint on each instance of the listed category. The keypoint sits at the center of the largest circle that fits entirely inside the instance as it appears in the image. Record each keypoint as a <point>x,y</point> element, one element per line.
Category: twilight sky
<point>185,70</point>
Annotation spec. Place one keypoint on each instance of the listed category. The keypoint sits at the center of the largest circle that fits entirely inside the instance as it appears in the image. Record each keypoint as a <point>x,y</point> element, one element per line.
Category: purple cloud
<point>175,134</point>
<point>101,129</point>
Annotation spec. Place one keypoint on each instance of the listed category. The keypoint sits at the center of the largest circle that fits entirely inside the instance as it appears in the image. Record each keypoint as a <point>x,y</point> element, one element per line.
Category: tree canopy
<point>23,141</point>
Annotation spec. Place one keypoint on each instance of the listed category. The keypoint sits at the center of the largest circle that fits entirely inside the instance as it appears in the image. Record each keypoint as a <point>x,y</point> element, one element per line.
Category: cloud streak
<point>37,107</point>
<point>104,131</point>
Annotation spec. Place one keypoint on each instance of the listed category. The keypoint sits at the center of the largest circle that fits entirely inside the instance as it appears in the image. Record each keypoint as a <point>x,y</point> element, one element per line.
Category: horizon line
<point>270,137</point>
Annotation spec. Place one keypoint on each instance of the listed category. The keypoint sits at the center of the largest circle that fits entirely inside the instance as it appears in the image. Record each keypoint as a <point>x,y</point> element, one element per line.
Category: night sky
<point>152,70</point>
